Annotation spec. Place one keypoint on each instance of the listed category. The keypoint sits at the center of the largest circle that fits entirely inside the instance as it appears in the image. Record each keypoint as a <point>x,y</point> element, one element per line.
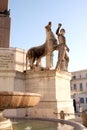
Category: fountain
<point>52,84</point>
<point>11,100</point>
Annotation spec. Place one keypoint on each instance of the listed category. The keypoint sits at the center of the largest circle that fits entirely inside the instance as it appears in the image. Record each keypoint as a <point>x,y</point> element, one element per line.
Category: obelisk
<point>4,24</point>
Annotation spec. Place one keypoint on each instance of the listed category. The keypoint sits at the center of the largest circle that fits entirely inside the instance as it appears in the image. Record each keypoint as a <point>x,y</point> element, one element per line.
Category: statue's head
<point>62,31</point>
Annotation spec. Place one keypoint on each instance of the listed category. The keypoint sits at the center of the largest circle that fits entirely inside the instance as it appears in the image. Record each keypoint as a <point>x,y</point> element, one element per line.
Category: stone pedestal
<point>12,59</point>
<point>55,90</point>
<point>53,86</point>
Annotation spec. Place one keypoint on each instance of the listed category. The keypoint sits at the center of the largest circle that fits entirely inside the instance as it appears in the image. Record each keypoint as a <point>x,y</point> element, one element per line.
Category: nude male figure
<point>62,55</point>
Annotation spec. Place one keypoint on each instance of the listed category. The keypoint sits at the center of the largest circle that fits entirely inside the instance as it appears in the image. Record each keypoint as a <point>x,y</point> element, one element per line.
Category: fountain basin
<point>12,100</point>
<point>46,124</point>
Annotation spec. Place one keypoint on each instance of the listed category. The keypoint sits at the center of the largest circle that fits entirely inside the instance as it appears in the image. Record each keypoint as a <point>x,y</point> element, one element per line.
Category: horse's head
<point>48,27</point>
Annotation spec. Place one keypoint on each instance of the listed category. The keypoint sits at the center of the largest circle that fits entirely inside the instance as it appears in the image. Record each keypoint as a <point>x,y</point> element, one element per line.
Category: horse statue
<point>35,54</point>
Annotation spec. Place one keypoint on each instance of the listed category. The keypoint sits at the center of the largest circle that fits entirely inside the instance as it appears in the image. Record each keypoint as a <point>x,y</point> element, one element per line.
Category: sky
<point>29,17</point>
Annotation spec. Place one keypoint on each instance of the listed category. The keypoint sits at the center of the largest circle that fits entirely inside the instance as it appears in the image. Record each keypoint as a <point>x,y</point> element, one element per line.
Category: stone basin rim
<point>16,93</point>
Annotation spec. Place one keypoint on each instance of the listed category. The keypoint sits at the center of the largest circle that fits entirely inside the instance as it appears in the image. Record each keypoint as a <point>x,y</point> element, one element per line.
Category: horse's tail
<point>27,58</point>
<point>26,61</point>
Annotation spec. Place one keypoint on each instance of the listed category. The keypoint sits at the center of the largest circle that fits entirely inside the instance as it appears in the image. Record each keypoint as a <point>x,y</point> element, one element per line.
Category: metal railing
<point>82,115</point>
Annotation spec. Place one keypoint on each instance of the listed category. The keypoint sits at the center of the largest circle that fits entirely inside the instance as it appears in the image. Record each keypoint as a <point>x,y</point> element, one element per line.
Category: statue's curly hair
<point>62,30</point>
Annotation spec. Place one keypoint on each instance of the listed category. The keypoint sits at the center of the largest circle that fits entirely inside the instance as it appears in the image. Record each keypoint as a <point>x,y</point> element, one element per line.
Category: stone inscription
<point>6,60</point>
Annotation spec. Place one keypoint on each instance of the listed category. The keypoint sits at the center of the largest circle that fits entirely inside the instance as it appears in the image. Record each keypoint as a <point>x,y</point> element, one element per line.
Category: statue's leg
<point>67,60</point>
<point>60,57</point>
<point>59,61</point>
<point>66,57</point>
<point>58,65</point>
<point>63,52</point>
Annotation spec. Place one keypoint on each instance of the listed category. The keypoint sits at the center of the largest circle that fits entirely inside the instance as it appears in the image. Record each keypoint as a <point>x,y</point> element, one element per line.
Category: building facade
<point>79,89</point>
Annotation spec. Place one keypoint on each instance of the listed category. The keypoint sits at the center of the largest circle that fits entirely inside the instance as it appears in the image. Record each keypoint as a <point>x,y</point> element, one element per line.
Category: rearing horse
<point>36,53</point>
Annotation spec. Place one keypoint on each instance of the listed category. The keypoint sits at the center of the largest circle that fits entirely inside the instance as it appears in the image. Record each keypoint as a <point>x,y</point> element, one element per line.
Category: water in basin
<point>27,124</point>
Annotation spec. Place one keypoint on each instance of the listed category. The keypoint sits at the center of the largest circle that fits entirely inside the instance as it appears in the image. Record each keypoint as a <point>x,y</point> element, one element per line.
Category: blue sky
<point>28,18</point>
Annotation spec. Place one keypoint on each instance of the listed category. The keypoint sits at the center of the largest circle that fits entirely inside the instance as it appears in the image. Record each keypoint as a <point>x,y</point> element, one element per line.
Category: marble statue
<point>34,54</point>
<point>63,59</point>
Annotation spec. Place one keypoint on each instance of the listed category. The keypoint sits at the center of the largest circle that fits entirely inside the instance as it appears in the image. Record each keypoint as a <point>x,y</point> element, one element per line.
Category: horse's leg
<point>38,61</point>
<point>32,62</point>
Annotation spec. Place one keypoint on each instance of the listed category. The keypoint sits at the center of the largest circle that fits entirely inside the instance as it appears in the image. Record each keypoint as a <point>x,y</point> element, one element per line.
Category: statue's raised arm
<point>57,31</point>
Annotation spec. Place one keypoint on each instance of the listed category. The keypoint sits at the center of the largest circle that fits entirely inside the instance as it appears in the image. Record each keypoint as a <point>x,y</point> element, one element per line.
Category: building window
<point>71,88</point>
<point>74,77</point>
<point>81,100</point>
<point>80,76</point>
<point>86,99</point>
<point>86,75</point>
<point>81,87</point>
<point>86,84</point>
<point>74,86</point>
